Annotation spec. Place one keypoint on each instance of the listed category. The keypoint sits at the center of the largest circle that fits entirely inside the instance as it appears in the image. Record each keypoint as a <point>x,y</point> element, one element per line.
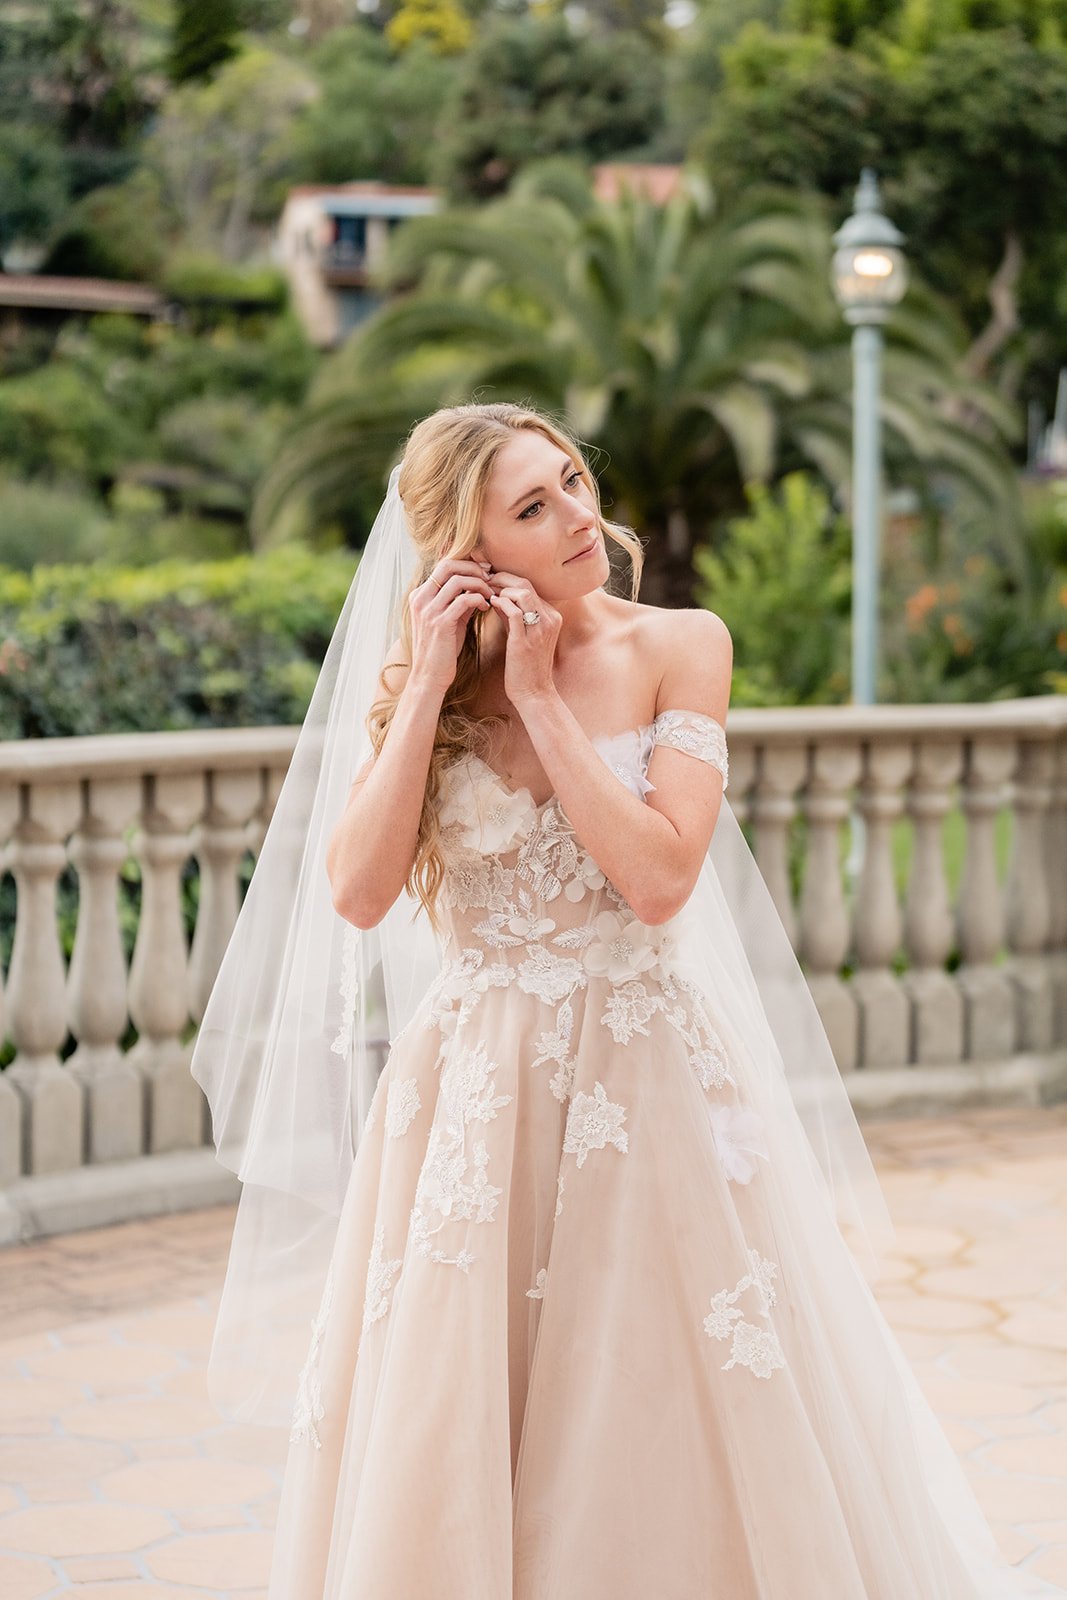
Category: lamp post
<point>870,276</point>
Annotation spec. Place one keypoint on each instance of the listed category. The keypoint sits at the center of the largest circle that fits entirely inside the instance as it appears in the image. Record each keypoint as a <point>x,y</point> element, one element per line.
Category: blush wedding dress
<point>574,1342</point>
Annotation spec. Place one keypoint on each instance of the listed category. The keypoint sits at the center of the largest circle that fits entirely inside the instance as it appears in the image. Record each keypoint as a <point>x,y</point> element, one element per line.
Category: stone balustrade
<point>946,988</point>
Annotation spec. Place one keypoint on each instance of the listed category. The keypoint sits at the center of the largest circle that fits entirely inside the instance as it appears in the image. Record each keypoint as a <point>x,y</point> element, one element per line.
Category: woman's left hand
<point>530,649</point>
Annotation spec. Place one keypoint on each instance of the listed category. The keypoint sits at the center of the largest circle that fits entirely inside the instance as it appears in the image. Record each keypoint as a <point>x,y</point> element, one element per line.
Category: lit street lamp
<point>870,276</point>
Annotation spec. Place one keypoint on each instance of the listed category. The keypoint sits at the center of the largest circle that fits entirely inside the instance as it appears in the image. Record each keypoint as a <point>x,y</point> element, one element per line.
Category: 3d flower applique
<point>623,947</point>
<point>753,1347</point>
<point>739,1137</point>
<point>504,818</point>
<point>491,818</point>
<point>587,877</point>
<point>594,1121</point>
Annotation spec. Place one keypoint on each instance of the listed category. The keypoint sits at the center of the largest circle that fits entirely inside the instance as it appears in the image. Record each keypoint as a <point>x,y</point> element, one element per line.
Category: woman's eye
<point>524,515</point>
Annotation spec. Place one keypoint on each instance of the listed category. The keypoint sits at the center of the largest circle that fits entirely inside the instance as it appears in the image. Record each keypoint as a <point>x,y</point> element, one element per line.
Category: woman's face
<point>538,513</point>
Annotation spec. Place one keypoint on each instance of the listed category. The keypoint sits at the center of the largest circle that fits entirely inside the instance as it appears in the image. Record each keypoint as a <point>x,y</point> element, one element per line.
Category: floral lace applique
<point>550,977</point>
<point>380,1274</point>
<point>594,1121</point>
<point>695,733</point>
<point>402,1104</point>
<point>538,1290</point>
<point>551,856</point>
<point>753,1347</point>
<point>554,1045</point>
<point>309,1408</point>
<point>628,1008</point>
<point>444,1191</point>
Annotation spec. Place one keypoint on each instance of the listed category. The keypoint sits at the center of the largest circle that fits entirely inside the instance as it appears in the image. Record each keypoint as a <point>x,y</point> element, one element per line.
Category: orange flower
<point>952,624</point>
<point>920,603</point>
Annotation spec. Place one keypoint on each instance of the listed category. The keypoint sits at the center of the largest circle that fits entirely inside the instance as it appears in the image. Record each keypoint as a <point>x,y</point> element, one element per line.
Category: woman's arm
<point>650,849</point>
<point>372,848</point>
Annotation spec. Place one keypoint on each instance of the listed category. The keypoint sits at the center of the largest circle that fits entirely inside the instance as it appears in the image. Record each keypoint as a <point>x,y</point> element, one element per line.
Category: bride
<point>581,1259</point>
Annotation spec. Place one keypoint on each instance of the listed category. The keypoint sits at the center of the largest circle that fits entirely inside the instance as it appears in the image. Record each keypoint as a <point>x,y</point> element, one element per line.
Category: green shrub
<point>781,581</point>
<point>179,644</point>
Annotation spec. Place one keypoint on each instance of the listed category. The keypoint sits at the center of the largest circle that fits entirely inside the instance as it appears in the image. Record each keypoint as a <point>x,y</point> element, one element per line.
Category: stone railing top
<point>193,749</point>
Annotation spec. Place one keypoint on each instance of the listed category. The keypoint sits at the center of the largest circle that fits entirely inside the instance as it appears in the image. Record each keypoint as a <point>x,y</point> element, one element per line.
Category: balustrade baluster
<point>885,1013</point>
<point>988,995</point>
<point>936,1001</point>
<point>159,977</point>
<point>824,916</point>
<point>96,982</point>
<point>53,1111</point>
<point>1027,917</point>
<point>1056,867</point>
<point>781,771</point>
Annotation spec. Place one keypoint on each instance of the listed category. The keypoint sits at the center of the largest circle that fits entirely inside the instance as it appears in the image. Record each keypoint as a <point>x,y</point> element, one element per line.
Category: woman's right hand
<point>441,608</point>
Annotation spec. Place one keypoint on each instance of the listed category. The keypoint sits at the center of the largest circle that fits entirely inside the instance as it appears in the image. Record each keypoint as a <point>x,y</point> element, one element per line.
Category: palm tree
<point>695,350</point>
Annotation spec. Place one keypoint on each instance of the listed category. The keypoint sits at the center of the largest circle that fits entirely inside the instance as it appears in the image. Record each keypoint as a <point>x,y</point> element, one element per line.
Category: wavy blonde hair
<point>448,460</point>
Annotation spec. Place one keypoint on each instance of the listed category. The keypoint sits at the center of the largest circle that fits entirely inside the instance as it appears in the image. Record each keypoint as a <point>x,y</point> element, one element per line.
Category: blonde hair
<point>447,464</point>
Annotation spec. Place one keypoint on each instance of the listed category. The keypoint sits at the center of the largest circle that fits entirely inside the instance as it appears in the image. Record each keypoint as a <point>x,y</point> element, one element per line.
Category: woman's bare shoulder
<point>691,653</point>
<point>676,633</point>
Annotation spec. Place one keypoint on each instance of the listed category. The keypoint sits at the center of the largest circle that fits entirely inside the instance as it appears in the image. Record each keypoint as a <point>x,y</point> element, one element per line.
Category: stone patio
<point>119,1481</point>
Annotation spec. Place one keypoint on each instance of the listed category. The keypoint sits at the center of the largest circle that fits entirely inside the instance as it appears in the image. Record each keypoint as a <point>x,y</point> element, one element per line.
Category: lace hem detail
<point>695,733</point>
<point>349,989</point>
<point>309,1408</point>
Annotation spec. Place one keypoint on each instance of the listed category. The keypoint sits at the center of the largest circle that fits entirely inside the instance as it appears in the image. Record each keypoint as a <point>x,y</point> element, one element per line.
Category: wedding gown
<point>572,1343</point>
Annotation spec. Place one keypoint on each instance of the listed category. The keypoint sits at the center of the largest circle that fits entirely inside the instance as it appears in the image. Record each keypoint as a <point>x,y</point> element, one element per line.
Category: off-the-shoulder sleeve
<point>695,733</point>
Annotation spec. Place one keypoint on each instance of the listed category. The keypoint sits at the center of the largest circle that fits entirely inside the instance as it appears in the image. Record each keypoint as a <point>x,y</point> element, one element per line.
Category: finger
<point>465,601</point>
<point>508,577</point>
<point>506,606</point>
<point>450,565</point>
<point>525,597</point>
<point>462,582</point>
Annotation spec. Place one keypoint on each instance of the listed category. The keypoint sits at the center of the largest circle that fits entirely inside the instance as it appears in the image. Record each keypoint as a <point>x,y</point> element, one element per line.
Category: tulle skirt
<point>602,1339</point>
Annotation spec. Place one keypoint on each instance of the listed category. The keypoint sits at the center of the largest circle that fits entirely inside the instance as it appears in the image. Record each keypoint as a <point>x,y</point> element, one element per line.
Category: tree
<point>375,113</point>
<point>699,348</point>
<point>223,149</point>
<point>204,36</point>
<point>443,24</point>
<point>969,141</point>
<point>530,89</point>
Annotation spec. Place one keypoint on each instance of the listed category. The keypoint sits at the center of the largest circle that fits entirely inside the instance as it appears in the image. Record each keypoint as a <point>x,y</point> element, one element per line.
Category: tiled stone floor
<point>119,1481</point>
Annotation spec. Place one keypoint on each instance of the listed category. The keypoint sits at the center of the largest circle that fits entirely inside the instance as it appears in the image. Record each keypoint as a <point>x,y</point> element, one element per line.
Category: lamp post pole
<point>866,509</point>
<point>870,276</point>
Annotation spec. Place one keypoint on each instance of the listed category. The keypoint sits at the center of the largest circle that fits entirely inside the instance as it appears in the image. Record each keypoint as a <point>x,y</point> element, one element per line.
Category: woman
<point>588,1328</point>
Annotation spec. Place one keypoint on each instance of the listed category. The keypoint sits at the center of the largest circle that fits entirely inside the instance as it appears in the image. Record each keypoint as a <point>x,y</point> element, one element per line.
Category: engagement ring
<point>530,617</point>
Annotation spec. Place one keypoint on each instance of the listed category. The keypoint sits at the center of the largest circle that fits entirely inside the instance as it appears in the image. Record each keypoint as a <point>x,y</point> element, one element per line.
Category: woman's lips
<point>586,552</point>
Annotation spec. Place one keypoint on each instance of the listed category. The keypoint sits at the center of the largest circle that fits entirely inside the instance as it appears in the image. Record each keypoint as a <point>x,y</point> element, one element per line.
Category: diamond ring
<point>530,617</point>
